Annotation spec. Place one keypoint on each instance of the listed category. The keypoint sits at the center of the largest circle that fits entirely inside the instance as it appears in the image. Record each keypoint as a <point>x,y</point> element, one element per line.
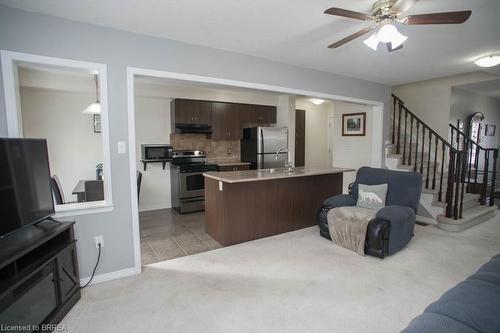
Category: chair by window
<point>139,181</point>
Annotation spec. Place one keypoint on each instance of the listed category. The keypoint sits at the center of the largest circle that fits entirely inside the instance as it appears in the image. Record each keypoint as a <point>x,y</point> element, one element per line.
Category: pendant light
<point>94,108</point>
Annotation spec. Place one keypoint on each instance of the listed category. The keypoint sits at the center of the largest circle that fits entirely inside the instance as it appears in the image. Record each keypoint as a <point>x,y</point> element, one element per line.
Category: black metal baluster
<point>493,177</point>
<point>440,197</point>
<point>411,139</point>
<point>457,185</point>
<point>394,121</point>
<point>399,128</point>
<point>422,154</point>
<point>428,160</point>
<point>416,148</point>
<point>404,141</point>
<point>476,167</point>
<point>435,164</point>
<point>449,188</point>
<point>485,175</point>
<point>464,169</point>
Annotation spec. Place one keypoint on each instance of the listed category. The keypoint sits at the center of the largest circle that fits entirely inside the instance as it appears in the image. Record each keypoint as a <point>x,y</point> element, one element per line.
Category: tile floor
<point>165,235</point>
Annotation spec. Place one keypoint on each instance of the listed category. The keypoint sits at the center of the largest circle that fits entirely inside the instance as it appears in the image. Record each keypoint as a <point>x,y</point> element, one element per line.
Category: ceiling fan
<point>384,14</point>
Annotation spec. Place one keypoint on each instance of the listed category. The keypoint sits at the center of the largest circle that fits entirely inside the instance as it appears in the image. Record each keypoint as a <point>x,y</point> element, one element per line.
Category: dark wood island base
<point>241,211</point>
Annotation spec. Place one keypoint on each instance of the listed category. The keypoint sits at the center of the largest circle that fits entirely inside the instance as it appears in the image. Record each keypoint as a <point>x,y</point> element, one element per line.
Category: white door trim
<point>132,71</point>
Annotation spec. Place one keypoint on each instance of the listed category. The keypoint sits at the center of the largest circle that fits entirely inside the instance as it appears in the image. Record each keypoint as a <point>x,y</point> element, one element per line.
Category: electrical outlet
<point>229,152</point>
<point>99,240</point>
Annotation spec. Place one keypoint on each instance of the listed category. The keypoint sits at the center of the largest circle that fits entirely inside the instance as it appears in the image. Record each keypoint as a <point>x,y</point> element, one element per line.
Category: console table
<point>39,280</point>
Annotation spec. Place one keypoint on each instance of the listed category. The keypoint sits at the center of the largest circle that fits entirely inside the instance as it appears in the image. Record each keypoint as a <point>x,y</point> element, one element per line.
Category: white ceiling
<point>297,32</point>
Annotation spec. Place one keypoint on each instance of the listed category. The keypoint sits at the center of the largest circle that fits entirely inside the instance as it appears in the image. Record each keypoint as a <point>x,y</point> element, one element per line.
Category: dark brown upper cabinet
<point>226,121</point>
<point>187,111</point>
<point>258,114</point>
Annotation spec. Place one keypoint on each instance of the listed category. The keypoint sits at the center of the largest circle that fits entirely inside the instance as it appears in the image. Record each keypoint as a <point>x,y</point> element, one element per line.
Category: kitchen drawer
<point>235,167</point>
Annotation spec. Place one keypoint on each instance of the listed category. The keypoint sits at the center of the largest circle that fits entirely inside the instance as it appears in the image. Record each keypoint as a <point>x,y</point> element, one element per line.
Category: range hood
<point>193,128</point>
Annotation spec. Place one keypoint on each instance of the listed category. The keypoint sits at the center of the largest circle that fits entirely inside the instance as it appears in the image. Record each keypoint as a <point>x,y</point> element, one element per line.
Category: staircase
<point>459,175</point>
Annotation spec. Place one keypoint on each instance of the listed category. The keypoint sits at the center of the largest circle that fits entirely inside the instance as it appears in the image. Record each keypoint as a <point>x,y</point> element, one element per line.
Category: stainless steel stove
<point>187,181</point>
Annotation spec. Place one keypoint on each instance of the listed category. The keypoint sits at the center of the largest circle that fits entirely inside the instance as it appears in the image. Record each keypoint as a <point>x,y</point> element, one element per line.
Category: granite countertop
<point>258,175</point>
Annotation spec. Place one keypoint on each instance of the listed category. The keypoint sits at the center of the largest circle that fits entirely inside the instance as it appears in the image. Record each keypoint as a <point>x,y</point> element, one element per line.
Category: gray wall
<point>44,35</point>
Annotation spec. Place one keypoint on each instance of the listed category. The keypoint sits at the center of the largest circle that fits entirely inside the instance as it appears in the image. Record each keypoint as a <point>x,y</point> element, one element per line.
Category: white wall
<point>351,151</point>
<point>316,136</point>
<point>152,107</point>
<point>74,148</point>
<point>430,100</point>
<point>152,125</point>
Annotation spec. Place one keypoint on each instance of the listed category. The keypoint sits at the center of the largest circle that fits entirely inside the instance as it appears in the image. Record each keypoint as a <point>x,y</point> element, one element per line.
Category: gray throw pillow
<point>372,196</point>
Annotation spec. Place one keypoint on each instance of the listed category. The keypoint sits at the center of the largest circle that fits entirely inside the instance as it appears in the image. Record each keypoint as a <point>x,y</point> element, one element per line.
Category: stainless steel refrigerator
<point>260,145</point>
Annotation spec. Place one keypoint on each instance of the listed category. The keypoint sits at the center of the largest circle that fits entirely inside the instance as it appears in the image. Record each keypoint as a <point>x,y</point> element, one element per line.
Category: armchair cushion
<point>402,222</point>
<point>340,200</point>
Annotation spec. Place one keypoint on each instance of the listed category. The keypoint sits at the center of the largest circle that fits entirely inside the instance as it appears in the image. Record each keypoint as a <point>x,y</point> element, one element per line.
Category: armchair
<point>392,227</point>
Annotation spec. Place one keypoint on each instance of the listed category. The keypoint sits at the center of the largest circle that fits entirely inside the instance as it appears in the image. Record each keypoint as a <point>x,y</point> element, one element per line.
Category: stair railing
<point>481,166</point>
<point>411,138</point>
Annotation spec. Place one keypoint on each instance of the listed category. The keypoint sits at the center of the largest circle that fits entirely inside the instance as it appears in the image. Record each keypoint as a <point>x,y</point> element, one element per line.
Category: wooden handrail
<point>424,124</point>
<point>461,178</point>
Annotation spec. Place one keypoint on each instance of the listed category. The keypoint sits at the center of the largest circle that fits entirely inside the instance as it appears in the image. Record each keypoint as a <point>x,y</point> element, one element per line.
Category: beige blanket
<point>348,226</point>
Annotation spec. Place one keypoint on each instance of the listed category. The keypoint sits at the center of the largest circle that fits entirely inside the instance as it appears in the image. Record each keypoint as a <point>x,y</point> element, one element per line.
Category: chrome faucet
<point>288,163</point>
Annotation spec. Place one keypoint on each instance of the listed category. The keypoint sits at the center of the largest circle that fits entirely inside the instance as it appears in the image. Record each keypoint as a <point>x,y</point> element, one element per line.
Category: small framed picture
<point>490,130</point>
<point>354,124</point>
<point>97,123</point>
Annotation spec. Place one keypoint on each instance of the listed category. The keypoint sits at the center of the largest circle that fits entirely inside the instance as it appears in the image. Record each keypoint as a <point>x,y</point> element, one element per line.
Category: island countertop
<point>260,175</point>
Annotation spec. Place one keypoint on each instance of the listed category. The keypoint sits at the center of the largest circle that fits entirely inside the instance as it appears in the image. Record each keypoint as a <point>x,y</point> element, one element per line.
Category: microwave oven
<point>157,152</point>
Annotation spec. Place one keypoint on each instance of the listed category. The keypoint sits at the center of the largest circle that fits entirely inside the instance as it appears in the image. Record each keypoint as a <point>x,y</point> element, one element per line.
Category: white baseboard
<point>110,276</point>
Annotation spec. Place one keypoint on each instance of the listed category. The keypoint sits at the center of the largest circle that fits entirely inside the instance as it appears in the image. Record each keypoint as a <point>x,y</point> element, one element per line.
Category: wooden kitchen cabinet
<point>258,114</point>
<point>187,111</point>
<point>226,121</point>
<point>235,167</point>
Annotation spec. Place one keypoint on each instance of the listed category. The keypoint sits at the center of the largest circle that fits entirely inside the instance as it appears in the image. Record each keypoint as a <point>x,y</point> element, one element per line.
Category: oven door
<point>192,184</point>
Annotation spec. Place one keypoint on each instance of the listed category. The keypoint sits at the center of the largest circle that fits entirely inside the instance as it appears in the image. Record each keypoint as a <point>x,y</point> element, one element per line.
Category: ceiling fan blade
<point>350,38</point>
<point>390,49</point>
<point>348,13</point>
<point>438,18</point>
<point>402,6</point>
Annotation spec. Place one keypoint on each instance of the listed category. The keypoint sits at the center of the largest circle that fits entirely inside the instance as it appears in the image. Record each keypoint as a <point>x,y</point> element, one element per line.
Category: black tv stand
<point>39,280</point>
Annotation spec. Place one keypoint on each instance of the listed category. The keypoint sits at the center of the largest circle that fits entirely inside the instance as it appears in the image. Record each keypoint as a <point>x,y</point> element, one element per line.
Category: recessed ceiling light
<point>317,101</point>
<point>488,61</point>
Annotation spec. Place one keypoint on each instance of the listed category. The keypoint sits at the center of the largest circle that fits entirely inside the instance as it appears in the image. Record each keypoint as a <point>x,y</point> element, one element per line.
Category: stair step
<point>470,200</point>
<point>471,217</point>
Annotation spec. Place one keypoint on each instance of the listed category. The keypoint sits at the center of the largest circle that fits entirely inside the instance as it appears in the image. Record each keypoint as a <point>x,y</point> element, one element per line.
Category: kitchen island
<point>245,205</point>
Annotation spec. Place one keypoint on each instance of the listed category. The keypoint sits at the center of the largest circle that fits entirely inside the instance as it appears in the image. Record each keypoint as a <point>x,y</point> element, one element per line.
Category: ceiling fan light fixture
<point>372,42</point>
<point>489,61</point>
<point>398,40</point>
<point>387,33</point>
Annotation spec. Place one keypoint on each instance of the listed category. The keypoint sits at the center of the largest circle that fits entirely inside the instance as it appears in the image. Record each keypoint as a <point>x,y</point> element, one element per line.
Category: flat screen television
<point>25,192</point>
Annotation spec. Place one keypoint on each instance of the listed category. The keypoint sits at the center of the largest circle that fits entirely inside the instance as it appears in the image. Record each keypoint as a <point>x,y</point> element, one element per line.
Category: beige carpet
<point>295,282</point>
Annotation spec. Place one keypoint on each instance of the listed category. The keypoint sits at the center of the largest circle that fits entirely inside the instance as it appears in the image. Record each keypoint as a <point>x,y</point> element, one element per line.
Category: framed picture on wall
<point>97,123</point>
<point>354,124</point>
<point>490,130</point>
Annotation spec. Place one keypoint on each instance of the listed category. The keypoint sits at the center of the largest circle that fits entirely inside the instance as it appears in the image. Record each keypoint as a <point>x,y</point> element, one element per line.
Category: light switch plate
<point>220,186</point>
<point>122,147</point>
